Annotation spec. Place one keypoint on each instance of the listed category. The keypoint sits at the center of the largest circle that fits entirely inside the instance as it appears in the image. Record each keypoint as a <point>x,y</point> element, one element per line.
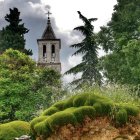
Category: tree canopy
<point>25,88</point>
<point>121,38</point>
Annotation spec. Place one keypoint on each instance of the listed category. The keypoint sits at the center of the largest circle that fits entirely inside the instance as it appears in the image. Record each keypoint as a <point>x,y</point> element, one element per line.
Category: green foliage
<point>121,36</point>
<point>88,48</point>
<point>14,129</point>
<point>22,92</point>
<point>121,117</point>
<point>12,35</point>
<point>50,111</point>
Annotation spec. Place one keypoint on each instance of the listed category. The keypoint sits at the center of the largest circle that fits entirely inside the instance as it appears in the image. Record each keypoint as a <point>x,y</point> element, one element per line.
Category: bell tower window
<point>53,52</point>
<point>44,50</point>
<point>53,49</point>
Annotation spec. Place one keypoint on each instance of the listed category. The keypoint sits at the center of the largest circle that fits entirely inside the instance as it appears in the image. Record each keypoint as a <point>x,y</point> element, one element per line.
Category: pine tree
<point>12,36</point>
<point>88,48</point>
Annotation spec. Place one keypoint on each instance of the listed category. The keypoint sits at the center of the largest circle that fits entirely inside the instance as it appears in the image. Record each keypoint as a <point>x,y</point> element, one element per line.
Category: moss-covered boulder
<point>9,131</point>
<point>75,109</point>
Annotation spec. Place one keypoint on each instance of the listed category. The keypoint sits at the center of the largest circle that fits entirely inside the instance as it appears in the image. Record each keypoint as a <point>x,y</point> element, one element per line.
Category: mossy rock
<point>60,119</point>
<point>11,130</point>
<point>76,108</point>
<point>60,105</point>
<point>37,120</point>
<point>80,100</point>
<point>131,109</point>
<point>43,128</point>
<point>121,117</point>
<point>50,111</point>
<point>98,108</point>
<point>81,112</point>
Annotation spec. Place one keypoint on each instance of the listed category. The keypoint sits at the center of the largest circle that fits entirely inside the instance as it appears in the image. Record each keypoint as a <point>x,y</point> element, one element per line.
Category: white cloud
<point>65,12</point>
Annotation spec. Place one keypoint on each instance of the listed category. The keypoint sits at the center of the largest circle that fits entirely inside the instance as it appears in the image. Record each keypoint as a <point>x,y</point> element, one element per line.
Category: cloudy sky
<point>64,18</point>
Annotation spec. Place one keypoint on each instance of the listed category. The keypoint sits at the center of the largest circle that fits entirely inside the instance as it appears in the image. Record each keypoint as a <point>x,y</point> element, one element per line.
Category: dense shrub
<point>50,111</point>
<point>121,117</point>
<point>9,131</point>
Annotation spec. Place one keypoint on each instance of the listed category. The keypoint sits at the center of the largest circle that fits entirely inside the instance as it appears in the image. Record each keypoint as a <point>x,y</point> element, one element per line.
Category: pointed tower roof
<point>48,32</point>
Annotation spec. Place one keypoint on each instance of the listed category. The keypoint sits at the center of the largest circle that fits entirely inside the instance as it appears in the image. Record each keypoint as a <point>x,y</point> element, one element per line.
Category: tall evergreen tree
<point>88,48</point>
<point>12,36</point>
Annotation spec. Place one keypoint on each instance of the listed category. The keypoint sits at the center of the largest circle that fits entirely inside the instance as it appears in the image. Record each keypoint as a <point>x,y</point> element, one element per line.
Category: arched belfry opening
<point>49,48</point>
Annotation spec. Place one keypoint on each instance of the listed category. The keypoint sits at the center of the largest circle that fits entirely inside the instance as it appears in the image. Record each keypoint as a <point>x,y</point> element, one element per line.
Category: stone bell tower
<point>49,48</point>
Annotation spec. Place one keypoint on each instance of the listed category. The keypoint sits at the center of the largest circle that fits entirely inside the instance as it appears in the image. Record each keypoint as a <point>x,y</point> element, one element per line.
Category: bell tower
<point>49,48</point>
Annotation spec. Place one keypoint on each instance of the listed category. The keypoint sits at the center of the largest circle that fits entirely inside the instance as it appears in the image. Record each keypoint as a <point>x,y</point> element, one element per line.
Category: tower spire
<point>48,33</point>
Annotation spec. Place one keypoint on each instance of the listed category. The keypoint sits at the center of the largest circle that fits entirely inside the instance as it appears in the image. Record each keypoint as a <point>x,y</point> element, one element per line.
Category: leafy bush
<point>9,131</point>
<point>50,111</point>
<point>121,117</point>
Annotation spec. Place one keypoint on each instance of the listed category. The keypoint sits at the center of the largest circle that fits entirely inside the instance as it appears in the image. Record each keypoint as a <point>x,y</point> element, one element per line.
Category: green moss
<point>91,100</point>
<point>121,117</point>
<point>60,119</point>
<point>98,109</point>
<point>50,111</point>
<point>9,131</point>
<point>131,109</point>
<point>80,100</point>
<point>106,106</point>
<point>60,105</point>
<point>76,108</point>
<point>81,112</point>
<point>37,120</point>
<point>69,102</point>
<point>43,128</point>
